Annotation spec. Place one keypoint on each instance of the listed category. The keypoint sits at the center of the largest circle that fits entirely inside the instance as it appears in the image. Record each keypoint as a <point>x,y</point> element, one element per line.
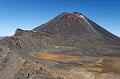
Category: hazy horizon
<point>28,14</point>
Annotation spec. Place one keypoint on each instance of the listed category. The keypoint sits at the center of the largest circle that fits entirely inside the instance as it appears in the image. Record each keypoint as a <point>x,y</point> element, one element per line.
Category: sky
<point>28,14</point>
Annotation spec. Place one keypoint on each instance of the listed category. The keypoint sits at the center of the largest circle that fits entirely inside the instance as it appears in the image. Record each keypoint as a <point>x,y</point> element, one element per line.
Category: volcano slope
<point>70,46</point>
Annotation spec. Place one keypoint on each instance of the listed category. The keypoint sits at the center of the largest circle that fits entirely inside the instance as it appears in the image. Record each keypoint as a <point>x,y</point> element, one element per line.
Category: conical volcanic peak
<point>75,22</point>
<point>75,29</point>
<point>68,22</point>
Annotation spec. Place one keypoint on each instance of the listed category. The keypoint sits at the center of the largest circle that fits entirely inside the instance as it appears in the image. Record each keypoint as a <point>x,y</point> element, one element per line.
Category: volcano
<point>75,29</point>
<point>70,46</point>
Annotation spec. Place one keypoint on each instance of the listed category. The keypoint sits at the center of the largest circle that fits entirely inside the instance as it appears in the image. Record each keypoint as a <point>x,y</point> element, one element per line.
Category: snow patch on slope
<point>82,16</point>
<point>86,21</point>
